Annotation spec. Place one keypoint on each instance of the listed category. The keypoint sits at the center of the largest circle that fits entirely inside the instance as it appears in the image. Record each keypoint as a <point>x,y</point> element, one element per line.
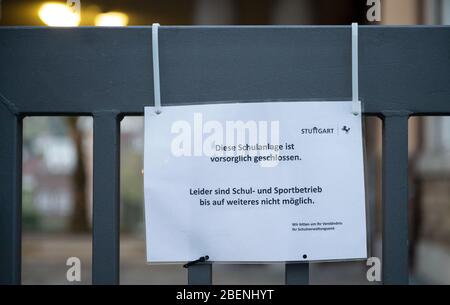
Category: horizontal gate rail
<point>107,73</point>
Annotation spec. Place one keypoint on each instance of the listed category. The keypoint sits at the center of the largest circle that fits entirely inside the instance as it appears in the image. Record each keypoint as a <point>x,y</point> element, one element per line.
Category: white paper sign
<point>254,182</point>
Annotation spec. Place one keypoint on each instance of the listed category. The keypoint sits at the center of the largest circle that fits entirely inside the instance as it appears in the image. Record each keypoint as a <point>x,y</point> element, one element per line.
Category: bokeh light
<point>111,19</point>
<point>58,14</point>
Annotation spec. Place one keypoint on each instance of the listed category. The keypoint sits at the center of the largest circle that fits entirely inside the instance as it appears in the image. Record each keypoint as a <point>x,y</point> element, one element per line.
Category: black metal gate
<point>107,73</point>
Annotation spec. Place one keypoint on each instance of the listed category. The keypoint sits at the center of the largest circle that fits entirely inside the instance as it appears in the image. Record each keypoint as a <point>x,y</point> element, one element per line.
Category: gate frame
<point>106,73</point>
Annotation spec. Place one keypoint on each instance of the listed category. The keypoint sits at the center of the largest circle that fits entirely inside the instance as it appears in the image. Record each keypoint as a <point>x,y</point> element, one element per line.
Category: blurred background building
<point>57,151</point>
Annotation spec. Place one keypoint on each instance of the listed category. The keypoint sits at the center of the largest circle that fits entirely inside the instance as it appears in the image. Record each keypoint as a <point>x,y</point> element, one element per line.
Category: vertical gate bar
<point>395,198</point>
<point>200,274</point>
<point>106,218</point>
<point>10,195</point>
<point>297,273</point>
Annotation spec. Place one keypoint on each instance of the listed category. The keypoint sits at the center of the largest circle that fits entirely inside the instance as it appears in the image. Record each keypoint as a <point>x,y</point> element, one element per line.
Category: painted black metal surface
<point>10,195</point>
<point>83,70</point>
<point>106,208</point>
<point>395,194</point>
